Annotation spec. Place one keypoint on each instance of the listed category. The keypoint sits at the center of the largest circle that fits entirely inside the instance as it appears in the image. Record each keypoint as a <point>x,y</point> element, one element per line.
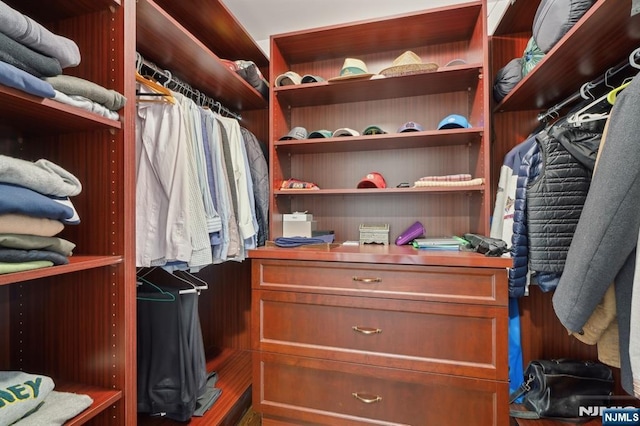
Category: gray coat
<point>603,247</point>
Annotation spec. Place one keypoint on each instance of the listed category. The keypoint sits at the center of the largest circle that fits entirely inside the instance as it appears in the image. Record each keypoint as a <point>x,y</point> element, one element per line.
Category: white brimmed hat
<point>408,63</point>
<point>352,68</point>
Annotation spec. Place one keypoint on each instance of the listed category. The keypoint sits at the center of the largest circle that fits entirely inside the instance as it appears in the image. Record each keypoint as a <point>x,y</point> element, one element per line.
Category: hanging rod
<point>585,90</point>
<point>168,80</point>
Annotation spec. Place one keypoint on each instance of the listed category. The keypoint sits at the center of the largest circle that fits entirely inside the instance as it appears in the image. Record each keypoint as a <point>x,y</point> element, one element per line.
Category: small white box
<point>297,217</point>
<point>298,228</point>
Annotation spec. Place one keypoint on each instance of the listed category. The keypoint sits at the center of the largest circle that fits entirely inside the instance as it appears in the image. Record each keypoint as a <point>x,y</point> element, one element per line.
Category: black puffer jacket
<point>556,197</point>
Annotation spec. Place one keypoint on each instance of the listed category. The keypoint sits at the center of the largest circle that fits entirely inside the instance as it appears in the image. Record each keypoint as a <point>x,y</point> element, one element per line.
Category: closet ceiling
<point>262,18</point>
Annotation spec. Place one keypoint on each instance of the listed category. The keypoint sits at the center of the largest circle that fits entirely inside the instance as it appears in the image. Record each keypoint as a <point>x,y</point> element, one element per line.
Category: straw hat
<point>352,68</point>
<point>408,63</point>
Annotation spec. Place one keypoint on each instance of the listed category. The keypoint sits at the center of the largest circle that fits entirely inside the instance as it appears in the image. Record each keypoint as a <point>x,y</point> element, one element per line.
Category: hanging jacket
<point>555,199</point>
<point>259,171</point>
<point>519,272</point>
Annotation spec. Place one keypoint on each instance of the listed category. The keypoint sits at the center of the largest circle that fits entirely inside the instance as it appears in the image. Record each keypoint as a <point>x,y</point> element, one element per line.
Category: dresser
<point>379,335</point>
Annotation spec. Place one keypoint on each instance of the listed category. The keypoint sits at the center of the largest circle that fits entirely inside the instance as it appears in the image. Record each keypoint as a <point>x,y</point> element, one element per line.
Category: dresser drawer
<point>486,286</point>
<point>336,393</point>
<point>449,338</point>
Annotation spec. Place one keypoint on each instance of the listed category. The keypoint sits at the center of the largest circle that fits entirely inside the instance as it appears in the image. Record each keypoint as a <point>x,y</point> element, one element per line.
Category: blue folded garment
<point>301,241</point>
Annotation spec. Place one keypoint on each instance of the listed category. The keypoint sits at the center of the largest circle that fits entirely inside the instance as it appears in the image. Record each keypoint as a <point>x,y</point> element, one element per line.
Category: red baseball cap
<point>372,180</point>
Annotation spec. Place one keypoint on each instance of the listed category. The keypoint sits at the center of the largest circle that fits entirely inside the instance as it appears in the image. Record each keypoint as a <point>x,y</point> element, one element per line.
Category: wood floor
<point>251,418</point>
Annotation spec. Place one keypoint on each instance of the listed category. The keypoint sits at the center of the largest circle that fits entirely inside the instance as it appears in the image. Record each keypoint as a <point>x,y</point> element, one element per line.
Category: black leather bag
<point>558,388</point>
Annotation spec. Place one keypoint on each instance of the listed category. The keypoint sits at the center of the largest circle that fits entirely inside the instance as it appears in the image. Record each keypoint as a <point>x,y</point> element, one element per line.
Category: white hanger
<point>582,116</point>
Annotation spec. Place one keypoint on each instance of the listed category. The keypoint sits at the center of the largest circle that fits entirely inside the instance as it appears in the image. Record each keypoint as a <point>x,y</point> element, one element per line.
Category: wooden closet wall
<point>604,37</point>
<point>77,323</point>
<point>189,38</point>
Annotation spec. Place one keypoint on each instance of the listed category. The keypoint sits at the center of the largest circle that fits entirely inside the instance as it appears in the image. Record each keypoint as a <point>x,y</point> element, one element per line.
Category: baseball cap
<point>295,133</point>
<point>410,126</point>
<point>319,134</point>
<point>308,78</point>
<point>345,131</point>
<point>454,121</point>
<point>289,78</point>
<point>373,130</point>
<point>455,62</point>
<point>372,180</point>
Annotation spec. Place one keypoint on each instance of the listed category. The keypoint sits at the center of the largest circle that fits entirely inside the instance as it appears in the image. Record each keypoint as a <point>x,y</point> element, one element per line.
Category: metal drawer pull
<point>367,330</point>
<point>367,280</point>
<point>367,399</point>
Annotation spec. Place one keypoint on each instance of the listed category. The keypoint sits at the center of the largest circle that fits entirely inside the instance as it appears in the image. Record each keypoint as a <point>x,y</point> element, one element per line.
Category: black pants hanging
<point>171,361</point>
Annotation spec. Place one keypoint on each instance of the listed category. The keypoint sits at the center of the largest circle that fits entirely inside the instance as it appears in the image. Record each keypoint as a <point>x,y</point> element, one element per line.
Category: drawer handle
<point>367,399</point>
<point>367,280</point>
<point>367,330</point>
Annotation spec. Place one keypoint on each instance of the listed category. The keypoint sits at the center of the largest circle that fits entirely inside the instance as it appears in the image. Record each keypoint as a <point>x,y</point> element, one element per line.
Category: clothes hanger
<point>582,115</point>
<point>166,296</point>
<point>199,283</point>
<point>156,88</point>
<point>162,275</point>
<point>612,95</point>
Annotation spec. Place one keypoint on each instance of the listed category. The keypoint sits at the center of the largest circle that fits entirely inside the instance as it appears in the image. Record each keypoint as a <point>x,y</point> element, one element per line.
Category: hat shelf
<point>418,93</point>
<point>388,141</point>
<point>458,78</point>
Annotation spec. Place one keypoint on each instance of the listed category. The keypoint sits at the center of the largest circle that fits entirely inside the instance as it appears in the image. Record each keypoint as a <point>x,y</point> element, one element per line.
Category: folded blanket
<point>26,31</point>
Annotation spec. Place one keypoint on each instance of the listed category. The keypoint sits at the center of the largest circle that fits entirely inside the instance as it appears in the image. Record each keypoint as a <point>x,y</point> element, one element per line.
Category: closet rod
<point>167,79</point>
<point>585,89</point>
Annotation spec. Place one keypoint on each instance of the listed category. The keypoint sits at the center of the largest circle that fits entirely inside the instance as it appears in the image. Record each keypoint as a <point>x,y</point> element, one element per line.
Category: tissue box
<point>295,228</point>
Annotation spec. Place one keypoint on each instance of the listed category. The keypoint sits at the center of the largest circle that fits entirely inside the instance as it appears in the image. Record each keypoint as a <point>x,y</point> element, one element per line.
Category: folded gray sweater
<point>71,85</point>
<point>20,394</point>
<point>42,176</point>
<point>28,32</point>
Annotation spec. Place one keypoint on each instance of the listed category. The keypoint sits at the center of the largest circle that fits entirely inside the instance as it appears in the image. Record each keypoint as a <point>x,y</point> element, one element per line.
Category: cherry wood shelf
<point>76,263</point>
<point>443,25</point>
<point>192,61</point>
<point>518,17</point>
<point>373,253</point>
<point>591,47</point>
<point>365,191</point>
<point>102,399</point>
<point>234,379</point>
<point>34,9</point>
<point>445,80</point>
<point>24,109</point>
<point>218,29</point>
<point>389,141</point>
